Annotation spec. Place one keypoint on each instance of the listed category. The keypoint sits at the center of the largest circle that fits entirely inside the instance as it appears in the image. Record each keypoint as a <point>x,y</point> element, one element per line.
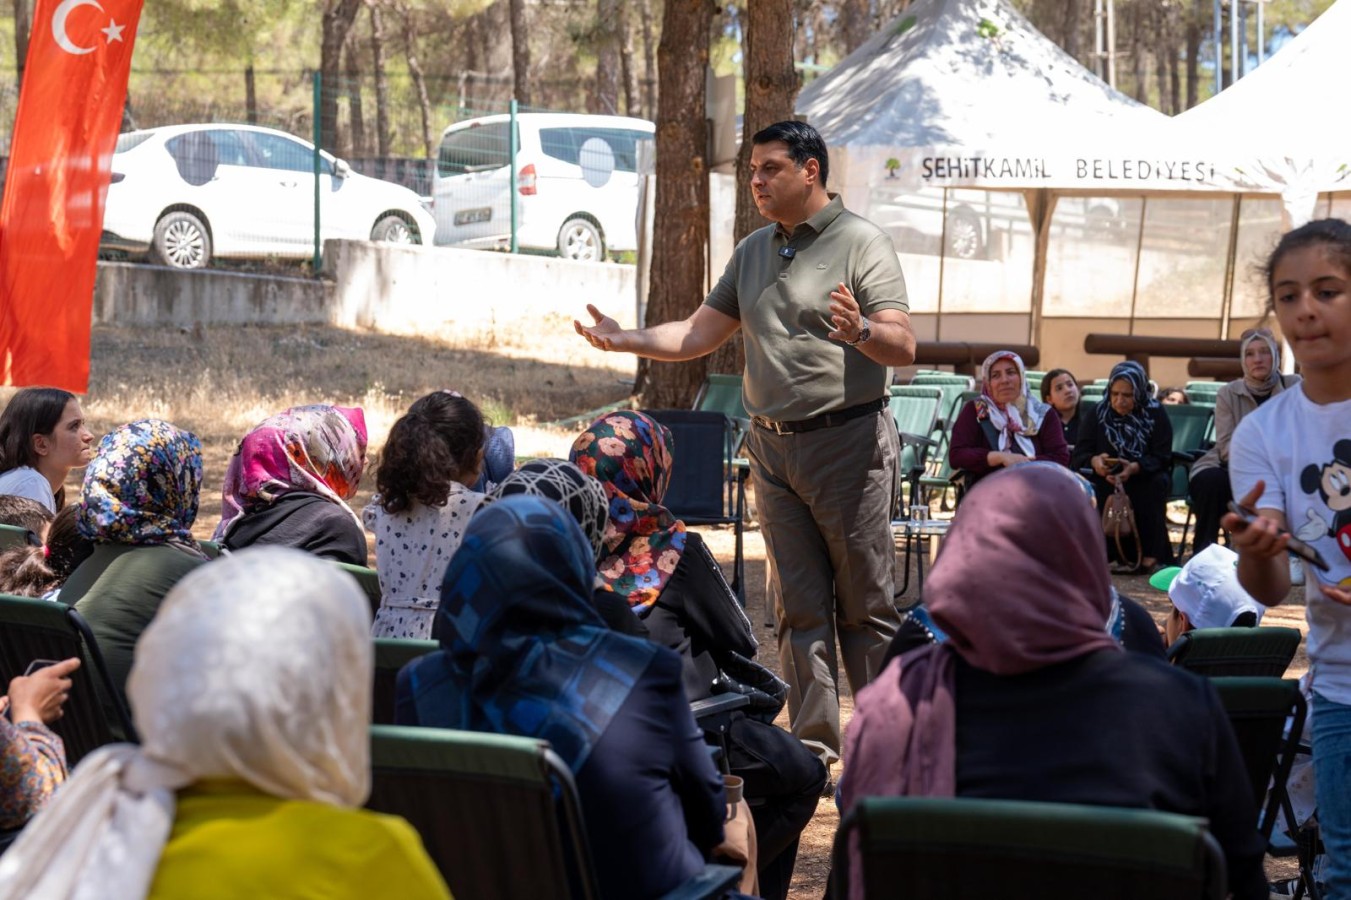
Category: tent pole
<point>942,259</point>
<point>1040,207</point>
<point>1139,251</point>
<point>1230,266</point>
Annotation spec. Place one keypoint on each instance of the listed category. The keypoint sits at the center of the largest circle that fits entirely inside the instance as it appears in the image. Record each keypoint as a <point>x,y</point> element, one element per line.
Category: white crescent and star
<point>112,33</point>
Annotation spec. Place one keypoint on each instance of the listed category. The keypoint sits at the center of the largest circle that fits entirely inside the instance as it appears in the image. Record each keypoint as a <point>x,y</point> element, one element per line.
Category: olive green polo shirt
<point>793,370</point>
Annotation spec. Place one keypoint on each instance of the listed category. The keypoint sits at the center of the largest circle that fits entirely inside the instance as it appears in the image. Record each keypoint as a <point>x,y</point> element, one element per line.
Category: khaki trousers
<point>824,499</point>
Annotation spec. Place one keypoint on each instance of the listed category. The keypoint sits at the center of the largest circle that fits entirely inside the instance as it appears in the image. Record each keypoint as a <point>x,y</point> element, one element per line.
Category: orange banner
<point>69,115</point>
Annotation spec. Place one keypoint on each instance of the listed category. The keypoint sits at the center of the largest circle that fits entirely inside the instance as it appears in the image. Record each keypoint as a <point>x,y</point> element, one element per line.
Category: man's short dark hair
<point>804,143</point>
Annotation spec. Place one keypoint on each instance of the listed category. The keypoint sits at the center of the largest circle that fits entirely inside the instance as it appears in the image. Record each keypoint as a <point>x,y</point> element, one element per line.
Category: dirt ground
<point>536,377</point>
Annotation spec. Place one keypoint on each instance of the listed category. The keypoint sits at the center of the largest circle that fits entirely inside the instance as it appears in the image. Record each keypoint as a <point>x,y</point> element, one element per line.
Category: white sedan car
<point>184,194</point>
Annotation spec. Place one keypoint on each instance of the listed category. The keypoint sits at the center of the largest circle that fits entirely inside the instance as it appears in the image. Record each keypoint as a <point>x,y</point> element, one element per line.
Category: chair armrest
<point>1186,456</point>
<point>713,881</point>
<point>718,704</point>
<point>908,438</point>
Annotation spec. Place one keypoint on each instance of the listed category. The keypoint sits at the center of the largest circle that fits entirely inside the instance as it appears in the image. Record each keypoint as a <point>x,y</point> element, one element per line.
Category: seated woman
<point>1128,442</point>
<point>1061,391</point>
<point>34,764</point>
<point>421,507</point>
<point>41,571</point>
<point>289,482</point>
<point>525,653</point>
<point>584,499</point>
<point>669,579</point>
<point>42,437</point>
<point>1031,699</point>
<point>1005,425</point>
<point>1262,379</point>
<point>251,771</point>
<point>137,506</point>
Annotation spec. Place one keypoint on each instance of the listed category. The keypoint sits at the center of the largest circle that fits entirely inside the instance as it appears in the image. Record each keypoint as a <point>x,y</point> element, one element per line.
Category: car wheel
<point>394,230</point>
<point>580,239</point>
<point>181,241</point>
<point>964,239</point>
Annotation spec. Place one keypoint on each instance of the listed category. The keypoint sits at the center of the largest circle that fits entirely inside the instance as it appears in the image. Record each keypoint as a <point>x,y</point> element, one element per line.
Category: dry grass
<point>220,381</point>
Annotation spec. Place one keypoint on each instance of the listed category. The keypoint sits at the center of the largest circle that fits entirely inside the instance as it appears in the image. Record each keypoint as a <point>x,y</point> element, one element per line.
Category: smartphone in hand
<point>39,664</point>
<point>1296,546</point>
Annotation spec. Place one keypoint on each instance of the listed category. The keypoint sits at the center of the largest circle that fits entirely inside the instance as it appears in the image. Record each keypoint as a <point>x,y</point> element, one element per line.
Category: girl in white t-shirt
<point>1291,461</point>
<point>42,437</point>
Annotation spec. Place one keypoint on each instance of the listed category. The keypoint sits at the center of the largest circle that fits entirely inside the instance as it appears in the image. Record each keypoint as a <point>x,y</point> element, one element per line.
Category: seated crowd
<point>569,604</point>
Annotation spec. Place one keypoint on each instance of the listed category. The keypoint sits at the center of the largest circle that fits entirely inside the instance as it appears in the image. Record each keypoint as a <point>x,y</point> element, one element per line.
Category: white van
<point>577,186</point>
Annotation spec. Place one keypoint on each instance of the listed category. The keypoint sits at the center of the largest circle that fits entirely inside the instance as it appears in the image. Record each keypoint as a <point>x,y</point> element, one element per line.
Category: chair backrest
<point>967,849</point>
<point>12,536</point>
<point>1034,380</point>
<point>1202,390</point>
<point>722,393</point>
<point>915,409</point>
<point>1267,715</point>
<point>41,629</point>
<point>499,815</point>
<point>368,579</point>
<point>1190,423</point>
<point>700,491</point>
<point>1264,651</point>
<point>391,655</point>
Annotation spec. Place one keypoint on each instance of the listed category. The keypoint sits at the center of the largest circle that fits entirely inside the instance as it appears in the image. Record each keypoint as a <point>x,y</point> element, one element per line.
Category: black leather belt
<point>825,420</point>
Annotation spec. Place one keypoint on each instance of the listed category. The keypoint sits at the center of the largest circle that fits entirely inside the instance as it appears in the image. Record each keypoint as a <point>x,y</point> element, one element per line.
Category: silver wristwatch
<point>865,331</point>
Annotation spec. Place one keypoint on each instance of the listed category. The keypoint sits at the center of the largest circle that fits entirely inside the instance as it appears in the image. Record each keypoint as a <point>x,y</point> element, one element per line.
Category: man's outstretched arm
<point>704,331</point>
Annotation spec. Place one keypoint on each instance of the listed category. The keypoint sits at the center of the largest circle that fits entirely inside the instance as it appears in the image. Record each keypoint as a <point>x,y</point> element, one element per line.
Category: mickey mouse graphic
<point>1332,482</point>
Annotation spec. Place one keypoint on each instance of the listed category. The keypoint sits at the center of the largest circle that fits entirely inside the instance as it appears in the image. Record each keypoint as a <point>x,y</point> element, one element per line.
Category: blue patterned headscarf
<point>523,650</point>
<point>142,486</point>
<point>1129,434</point>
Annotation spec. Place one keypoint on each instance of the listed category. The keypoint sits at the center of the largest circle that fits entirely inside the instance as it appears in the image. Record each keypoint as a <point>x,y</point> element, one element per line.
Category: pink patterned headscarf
<point>317,449</point>
<point>1010,602</point>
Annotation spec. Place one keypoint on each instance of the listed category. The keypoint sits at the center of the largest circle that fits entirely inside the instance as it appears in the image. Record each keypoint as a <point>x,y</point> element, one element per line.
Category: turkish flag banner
<point>69,115</point>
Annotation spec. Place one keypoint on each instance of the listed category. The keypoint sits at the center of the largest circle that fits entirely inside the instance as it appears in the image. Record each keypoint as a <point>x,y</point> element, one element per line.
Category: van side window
<point>565,144</point>
<point>475,149</point>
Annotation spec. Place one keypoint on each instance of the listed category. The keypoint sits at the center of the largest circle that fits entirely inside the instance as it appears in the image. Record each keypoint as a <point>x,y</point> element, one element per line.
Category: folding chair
<point>498,814</point>
<point>939,475</point>
<point>707,487</point>
<point>368,579</point>
<point>969,849</point>
<point>391,655</point>
<point>1190,424</point>
<point>42,629</point>
<point>1267,715</point>
<point>722,393</point>
<point>1264,651</point>
<point>12,536</point>
<point>915,409</point>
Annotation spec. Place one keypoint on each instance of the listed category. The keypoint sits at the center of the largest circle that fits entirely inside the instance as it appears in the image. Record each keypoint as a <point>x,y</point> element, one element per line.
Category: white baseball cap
<point>1206,589</point>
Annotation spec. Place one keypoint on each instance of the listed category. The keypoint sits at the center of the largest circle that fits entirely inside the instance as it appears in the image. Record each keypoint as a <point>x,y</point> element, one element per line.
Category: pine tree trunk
<point>356,112</point>
<point>628,72</point>
<point>856,21</point>
<point>604,100</point>
<point>382,135</point>
<point>680,241</point>
<point>771,89</point>
<point>337,20</point>
<point>21,27</point>
<point>250,95</point>
<point>649,63</point>
<point>419,81</point>
<point>520,52</point>
<point>1192,40</point>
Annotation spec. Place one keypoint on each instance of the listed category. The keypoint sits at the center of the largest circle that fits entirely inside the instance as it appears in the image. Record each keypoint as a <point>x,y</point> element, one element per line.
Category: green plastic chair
<point>498,814</point>
<point>1190,426</point>
<point>391,655</point>
<point>969,849</point>
<point>368,579</point>
<point>12,536</point>
<point>915,409</point>
<point>1264,651</point>
<point>1034,380</point>
<point>1267,715</point>
<point>1203,391</point>
<point>939,473</point>
<point>42,629</point>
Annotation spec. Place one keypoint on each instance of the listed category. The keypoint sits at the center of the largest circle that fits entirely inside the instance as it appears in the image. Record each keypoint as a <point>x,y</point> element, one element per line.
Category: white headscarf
<point>257,667</point>
<point>1274,376</point>
<point>1019,421</point>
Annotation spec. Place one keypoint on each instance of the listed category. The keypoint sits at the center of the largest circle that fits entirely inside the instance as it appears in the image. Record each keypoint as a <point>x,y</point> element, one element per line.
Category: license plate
<point>470,216</point>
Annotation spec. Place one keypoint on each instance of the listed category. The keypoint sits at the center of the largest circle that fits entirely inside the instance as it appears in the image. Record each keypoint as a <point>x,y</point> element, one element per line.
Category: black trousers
<point>1210,494</point>
<point>1149,500</point>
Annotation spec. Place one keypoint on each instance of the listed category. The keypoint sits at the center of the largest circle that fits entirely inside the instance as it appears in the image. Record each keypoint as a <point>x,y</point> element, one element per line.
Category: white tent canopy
<point>966,93</point>
<point>1281,127</point>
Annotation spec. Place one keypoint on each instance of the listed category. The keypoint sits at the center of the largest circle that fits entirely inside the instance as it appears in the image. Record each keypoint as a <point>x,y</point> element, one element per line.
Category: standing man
<point>821,303</point>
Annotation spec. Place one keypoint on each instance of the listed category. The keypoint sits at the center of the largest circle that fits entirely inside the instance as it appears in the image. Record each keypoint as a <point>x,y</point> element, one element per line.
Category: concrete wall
<point>413,290</point>
<point>127,294</point>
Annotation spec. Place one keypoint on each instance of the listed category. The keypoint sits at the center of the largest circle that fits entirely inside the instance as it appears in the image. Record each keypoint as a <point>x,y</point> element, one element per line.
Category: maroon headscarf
<point>1020,584</point>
